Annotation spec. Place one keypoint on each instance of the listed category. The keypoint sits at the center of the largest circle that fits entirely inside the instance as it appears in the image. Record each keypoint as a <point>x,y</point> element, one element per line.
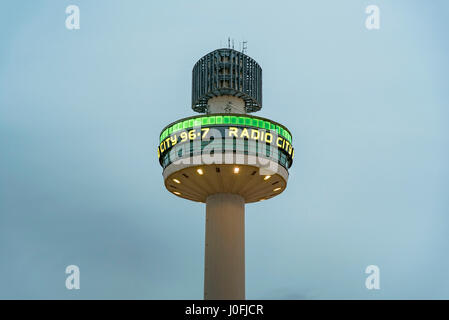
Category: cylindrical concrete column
<point>224,262</point>
<point>226,104</point>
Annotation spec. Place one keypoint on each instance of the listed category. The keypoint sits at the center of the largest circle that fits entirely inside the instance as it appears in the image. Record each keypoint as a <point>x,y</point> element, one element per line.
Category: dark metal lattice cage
<point>227,72</point>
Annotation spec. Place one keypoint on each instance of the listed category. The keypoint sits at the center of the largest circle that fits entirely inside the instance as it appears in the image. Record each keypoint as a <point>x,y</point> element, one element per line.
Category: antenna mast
<point>244,46</point>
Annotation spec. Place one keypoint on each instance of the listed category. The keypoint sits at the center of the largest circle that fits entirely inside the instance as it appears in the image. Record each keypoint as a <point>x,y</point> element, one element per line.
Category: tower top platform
<point>226,72</point>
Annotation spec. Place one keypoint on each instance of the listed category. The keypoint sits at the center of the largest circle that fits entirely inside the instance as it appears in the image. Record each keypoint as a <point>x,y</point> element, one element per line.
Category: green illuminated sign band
<point>225,119</point>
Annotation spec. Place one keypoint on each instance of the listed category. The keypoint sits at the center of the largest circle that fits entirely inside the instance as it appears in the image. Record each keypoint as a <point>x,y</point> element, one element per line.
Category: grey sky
<point>81,112</point>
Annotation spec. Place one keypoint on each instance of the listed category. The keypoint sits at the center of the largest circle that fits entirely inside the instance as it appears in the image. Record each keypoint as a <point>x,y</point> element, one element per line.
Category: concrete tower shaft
<point>224,262</point>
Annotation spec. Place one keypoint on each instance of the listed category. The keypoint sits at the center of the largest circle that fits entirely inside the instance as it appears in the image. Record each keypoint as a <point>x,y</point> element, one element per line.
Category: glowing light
<point>277,189</point>
<point>176,180</point>
<point>236,170</point>
<point>177,193</point>
<point>200,171</point>
<point>267,177</point>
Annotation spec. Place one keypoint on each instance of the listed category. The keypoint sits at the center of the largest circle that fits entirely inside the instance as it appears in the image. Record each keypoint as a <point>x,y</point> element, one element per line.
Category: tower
<point>225,158</point>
